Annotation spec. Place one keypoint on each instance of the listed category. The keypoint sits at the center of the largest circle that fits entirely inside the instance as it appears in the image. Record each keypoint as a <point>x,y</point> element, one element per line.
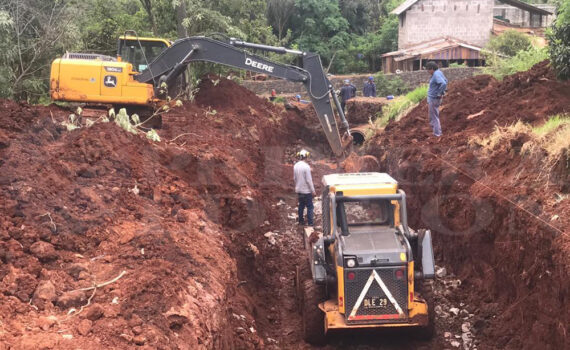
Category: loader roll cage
<point>400,197</point>
<point>168,65</point>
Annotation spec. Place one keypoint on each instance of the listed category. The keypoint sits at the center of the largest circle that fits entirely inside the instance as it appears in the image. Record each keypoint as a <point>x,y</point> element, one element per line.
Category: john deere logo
<point>110,81</point>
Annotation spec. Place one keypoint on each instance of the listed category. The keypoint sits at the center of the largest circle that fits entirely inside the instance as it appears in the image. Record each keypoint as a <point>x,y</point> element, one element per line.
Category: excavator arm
<point>173,61</point>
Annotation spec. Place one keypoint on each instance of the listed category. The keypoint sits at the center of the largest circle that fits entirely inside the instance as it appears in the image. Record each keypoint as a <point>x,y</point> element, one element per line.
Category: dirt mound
<point>478,104</point>
<point>361,110</point>
<point>498,215</point>
<point>158,221</point>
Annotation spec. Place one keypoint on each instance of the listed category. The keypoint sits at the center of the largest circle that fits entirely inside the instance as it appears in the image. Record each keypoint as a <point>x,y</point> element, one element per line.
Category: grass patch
<point>418,94</point>
<point>552,124</point>
<point>551,138</point>
<point>400,105</point>
<point>500,67</point>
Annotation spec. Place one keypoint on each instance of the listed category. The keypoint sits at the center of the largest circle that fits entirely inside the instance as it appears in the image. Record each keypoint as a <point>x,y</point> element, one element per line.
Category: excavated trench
<point>203,223</point>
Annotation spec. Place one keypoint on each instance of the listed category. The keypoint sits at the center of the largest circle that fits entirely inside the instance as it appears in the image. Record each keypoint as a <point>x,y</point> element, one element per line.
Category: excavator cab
<point>140,51</point>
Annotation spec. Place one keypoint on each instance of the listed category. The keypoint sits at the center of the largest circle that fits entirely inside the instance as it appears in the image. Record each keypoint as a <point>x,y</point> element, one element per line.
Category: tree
<point>559,38</point>
<point>279,13</point>
<point>33,32</point>
<point>509,43</point>
<point>148,7</point>
<point>319,27</point>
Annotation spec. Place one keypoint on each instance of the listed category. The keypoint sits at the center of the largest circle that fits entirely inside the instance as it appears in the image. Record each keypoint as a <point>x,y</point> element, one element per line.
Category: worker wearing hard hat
<point>304,186</point>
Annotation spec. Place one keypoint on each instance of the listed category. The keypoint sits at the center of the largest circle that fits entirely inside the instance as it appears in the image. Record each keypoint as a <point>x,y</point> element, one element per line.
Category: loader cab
<point>358,215</point>
<point>140,51</point>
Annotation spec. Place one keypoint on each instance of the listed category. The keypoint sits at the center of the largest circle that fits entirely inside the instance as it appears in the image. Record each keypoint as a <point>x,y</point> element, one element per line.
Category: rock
<point>135,320</point>
<point>466,327</point>
<point>84,327</point>
<point>84,275</point>
<point>19,284</point>
<point>240,330</point>
<point>139,340</point>
<point>447,335</point>
<point>126,337</point>
<point>45,293</point>
<point>44,251</point>
<point>74,298</point>
<point>45,323</point>
<point>467,341</point>
<point>74,270</point>
<point>454,311</point>
<point>455,344</point>
<point>181,217</point>
<point>67,336</point>
<point>438,309</point>
<point>95,312</point>
<point>440,272</point>
<point>137,330</point>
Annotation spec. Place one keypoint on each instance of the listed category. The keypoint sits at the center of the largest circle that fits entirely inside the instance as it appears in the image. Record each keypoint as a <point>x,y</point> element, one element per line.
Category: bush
<point>522,61</point>
<point>509,43</point>
<point>559,40</point>
<point>389,86</point>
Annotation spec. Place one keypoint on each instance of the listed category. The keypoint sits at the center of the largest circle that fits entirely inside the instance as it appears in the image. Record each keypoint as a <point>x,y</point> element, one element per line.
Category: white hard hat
<point>302,154</point>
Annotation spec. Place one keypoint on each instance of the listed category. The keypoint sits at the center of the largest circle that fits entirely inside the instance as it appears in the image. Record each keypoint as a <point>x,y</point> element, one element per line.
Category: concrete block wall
<point>521,18</point>
<point>411,79</point>
<point>470,21</point>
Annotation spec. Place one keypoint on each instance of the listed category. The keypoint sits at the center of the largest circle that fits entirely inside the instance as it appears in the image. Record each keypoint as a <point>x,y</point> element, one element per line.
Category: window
<point>130,51</point>
<point>377,212</point>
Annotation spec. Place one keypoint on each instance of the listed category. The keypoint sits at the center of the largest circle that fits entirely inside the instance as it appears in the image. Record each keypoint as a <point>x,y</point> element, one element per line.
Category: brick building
<point>450,31</point>
<point>470,21</point>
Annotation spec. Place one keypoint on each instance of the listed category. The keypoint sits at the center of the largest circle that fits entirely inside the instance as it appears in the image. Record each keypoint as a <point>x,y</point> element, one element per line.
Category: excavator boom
<point>70,79</point>
<point>172,62</point>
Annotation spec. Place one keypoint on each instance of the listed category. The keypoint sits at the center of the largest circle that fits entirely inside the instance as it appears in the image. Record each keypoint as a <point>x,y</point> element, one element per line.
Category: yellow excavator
<point>147,70</point>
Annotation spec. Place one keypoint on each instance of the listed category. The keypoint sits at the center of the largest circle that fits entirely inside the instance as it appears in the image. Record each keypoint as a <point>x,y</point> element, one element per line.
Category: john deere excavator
<point>145,71</point>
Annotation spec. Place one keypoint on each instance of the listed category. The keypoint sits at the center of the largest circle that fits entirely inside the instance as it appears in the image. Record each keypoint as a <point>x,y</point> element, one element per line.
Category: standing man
<point>347,91</point>
<point>369,88</point>
<point>304,186</point>
<point>436,90</point>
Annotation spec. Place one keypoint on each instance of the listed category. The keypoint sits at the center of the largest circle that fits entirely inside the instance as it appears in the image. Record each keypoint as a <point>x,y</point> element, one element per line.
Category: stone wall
<point>412,79</point>
<point>470,21</point>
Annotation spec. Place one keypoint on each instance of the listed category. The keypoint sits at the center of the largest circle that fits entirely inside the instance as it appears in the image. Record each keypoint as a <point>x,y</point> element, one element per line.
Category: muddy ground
<point>111,240</point>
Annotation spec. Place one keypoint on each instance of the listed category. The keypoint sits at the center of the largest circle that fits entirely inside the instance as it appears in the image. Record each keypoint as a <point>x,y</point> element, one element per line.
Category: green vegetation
<point>417,94</point>
<point>393,110</point>
<point>500,67</point>
<point>551,138</point>
<point>559,40</point>
<point>393,86</point>
<point>553,123</point>
<point>349,35</point>
<point>509,43</point>
<point>457,65</point>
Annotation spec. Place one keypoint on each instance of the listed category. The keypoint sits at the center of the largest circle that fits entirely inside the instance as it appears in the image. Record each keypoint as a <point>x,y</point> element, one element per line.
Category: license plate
<point>374,303</point>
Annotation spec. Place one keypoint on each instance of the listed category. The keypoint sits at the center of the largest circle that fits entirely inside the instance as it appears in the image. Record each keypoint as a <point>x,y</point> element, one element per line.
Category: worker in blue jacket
<point>436,90</point>
<point>369,88</point>
<point>347,91</point>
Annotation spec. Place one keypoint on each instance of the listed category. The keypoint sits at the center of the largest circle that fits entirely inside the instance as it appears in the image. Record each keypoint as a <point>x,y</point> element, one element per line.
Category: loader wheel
<point>427,332</point>
<point>313,317</point>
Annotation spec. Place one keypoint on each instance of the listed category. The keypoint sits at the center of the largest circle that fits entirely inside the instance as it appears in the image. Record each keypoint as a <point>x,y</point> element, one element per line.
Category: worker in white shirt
<point>304,187</point>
